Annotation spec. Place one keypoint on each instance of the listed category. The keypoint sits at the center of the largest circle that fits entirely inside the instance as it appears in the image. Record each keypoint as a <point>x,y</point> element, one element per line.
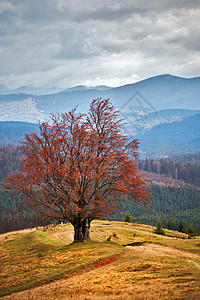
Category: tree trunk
<point>81,230</point>
<point>86,229</point>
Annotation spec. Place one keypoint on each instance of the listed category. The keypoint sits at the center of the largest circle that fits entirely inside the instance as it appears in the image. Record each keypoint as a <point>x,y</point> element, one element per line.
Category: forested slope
<point>168,202</point>
<point>189,172</point>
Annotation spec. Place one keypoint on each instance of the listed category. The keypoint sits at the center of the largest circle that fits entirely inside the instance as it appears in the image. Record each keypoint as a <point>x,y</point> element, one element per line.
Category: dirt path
<point>146,271</point>
<point>156,249</point>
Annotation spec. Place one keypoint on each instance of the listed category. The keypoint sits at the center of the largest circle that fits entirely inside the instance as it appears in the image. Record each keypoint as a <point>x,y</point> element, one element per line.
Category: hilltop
<point>135,264</point>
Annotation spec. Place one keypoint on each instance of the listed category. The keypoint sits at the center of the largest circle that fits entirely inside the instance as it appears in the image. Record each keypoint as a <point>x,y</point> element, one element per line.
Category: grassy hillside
<point>43,263</point>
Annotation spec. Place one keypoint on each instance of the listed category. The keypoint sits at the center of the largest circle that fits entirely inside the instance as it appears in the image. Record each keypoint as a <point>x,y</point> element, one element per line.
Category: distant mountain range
<point>145,123</point>
<point>150,95</point>
<point>162,111</point>
<point>167,139</point>
<point>13,132</point>
<point>37,91</point>
<point>164,139</point>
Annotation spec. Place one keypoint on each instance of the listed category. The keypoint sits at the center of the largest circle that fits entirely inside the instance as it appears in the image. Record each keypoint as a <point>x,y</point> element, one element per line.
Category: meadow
<point>43,263</point>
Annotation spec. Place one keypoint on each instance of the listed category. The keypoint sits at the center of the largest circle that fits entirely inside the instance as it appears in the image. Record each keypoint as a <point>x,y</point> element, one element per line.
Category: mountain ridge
<point>21,89</point>
<point>145,104</point>
<point>160,92</point>
<point>163,139</point>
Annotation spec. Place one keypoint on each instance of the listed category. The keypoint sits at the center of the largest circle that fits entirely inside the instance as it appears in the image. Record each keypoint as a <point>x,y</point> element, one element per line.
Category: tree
<point>127,217</point>
<point>190,230</point>
<point>169,225</point>
<point>180,225</point>
<point>159,229</point>
<point>78,167</point>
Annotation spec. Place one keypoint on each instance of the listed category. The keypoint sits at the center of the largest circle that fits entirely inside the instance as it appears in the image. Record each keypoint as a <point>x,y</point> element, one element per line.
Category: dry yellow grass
<point>162,268</point>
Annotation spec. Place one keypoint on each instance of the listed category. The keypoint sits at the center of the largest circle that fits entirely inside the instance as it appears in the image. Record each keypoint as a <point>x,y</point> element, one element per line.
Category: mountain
<point>136,123</point>
<point>47,91</point>
<point>164,139</point>
<point>83,87</point>
<point>168,92</point>
<point>13,132</point>
<point>162,111</point>
<point>22,108</point>
<point>171,138</point>
<point>4,90</point>
<point>150,95</point>
<point>144,97</point>
<point>29,90</point>
<point>35,90</point>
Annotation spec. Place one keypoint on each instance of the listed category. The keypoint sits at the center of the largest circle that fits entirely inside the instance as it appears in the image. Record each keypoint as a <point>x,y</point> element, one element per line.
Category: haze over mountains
<point>154,109</point>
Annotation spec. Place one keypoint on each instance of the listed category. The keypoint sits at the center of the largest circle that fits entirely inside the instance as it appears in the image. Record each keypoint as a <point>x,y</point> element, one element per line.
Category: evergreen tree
<point>190,230</point>
<point>159,229</point>
<point>127,217</point>
<point>180,226</point>
<point>169,225</point>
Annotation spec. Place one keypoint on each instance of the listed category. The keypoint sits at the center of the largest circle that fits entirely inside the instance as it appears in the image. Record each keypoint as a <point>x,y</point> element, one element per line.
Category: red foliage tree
<point>78,167</point>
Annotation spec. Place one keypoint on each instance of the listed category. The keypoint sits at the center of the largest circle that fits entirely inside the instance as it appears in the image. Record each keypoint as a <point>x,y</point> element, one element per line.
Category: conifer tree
<point>127,217</point>
<point>180,226</point>
<point>169,225</point>
<point>190,230</point>
<point>159,229</point>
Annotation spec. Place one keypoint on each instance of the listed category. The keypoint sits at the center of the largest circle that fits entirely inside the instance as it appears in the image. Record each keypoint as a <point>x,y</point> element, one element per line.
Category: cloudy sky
<point>64,43</point>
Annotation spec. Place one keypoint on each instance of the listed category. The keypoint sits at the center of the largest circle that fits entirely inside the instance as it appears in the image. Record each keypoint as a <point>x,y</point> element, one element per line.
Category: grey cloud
<point>38,11</point>
<point>96,41</point>
<point>120,11</point>
<point>6,6</point>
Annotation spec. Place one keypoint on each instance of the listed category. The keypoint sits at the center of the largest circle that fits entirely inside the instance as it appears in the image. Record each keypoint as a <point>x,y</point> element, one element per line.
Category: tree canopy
<point>78,167</point>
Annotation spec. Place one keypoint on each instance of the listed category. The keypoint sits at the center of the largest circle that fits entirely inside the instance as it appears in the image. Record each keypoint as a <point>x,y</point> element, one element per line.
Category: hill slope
<point>151,266</point>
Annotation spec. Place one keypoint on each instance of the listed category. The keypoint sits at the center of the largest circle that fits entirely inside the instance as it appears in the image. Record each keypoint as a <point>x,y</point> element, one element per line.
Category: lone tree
<point>127,217</point>
<point>159,229</point>
<point>78,167</point>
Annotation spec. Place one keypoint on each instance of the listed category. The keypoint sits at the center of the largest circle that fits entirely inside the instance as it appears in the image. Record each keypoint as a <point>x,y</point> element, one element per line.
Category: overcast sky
<point>64,43</point>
